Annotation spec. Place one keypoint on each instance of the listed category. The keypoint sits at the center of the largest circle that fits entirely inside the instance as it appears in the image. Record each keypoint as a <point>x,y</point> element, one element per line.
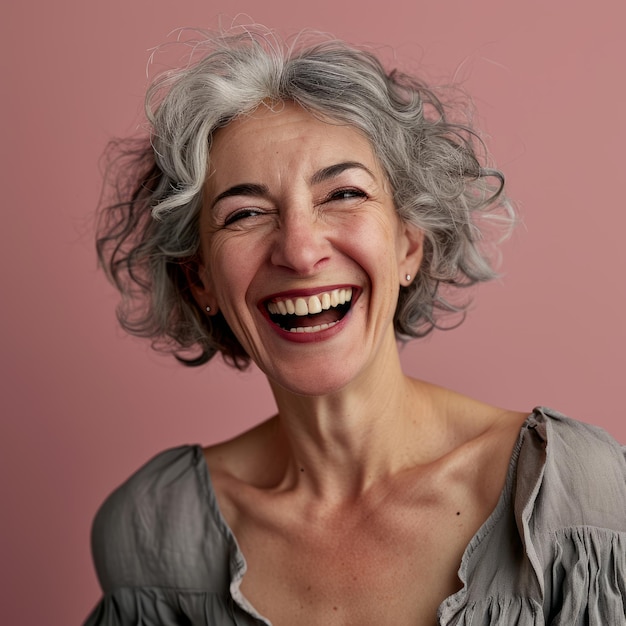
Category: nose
<point>301,242</point>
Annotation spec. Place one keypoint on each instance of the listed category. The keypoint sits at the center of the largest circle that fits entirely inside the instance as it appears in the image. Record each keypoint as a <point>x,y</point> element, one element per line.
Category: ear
<point>199,284</point>
<point>410,251</point>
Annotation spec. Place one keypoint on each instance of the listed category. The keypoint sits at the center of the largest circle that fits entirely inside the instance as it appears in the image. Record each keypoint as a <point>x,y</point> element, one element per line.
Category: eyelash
<point>239,215</point>
<point>340,194</point>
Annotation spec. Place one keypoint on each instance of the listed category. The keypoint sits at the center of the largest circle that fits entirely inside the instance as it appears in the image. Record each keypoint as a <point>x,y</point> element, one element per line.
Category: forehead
<point>286,135</point>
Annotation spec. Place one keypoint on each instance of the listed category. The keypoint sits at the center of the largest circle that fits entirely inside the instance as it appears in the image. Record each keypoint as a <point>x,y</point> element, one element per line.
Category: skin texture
<point>303,238</point>
<point>352,505</point>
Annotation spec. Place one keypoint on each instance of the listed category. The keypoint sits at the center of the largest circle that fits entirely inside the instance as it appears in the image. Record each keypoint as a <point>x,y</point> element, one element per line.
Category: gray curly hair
<point>148,235</point>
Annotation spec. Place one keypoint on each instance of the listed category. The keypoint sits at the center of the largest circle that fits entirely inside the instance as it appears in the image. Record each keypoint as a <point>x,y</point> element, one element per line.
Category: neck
<point>341,443</point>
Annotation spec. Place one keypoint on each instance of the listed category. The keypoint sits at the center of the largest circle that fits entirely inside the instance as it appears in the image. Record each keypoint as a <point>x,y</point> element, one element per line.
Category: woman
<point>302,208</point>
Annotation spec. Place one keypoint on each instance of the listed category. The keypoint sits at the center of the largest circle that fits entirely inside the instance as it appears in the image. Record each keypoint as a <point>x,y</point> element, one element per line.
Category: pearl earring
<point>408,277</point>
<point>208,309</point>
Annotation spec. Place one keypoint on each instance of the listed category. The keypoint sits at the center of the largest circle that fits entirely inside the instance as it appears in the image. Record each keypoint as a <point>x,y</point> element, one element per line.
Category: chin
<point>313,382</point>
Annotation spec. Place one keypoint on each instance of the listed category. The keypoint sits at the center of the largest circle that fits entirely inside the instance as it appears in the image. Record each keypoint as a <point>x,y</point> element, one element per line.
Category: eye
<point>346,194</point>
<point>242,214</point>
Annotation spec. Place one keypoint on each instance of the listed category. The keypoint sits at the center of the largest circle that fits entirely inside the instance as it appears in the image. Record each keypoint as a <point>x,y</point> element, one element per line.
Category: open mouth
<point>310,314</point>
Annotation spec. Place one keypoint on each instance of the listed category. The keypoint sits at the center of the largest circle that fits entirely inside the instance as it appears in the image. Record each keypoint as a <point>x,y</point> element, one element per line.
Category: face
<point>302,250</point>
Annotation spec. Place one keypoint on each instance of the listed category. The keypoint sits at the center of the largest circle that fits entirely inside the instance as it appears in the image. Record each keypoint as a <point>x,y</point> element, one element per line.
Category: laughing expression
<point>301,247</point>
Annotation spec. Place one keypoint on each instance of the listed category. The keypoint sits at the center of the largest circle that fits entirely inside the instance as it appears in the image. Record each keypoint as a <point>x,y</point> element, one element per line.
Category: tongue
<point>295,321</point>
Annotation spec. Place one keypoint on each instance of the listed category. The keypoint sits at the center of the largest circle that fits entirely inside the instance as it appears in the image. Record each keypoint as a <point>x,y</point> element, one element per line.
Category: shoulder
<point>568,431</point>
<point>574,522</point>
<point>157,526</point>
<point>172,473</point>
<point>583,454</point>
<point>584,472</point>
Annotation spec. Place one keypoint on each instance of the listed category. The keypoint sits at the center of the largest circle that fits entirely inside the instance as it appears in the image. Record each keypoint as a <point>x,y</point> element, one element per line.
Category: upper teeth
<point>312,304</point>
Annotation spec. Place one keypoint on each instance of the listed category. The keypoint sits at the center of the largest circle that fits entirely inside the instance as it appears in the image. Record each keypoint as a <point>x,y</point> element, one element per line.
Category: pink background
<point>83,406</point>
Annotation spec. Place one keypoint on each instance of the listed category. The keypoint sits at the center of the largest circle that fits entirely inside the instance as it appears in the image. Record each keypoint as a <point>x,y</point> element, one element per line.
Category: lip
<point>320,335</point>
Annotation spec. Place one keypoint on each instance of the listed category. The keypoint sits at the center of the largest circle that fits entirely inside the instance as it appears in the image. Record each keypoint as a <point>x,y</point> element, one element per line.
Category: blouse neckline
<point>451,604</point>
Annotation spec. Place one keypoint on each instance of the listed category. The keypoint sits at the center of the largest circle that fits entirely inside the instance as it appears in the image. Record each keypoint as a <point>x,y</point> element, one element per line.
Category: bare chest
<point>367,572</point>
<point>389,557</point>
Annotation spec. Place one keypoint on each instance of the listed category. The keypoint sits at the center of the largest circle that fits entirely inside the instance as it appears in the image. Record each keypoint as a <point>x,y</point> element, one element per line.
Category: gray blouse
<point>552,552</point>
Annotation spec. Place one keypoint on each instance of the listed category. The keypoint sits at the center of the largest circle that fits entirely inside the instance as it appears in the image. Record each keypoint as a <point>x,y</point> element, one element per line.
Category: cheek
<point>228,271</point>
<point>376,240</point>
<point>216,268</point>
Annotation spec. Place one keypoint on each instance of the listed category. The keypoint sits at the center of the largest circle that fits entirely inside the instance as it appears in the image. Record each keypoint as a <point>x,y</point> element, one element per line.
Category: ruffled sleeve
<point>587,578</point>
<point>167,607</point>
<point>578,525</point>
<point>163,553</point>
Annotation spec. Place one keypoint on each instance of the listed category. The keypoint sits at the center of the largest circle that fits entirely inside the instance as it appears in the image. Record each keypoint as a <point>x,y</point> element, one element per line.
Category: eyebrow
<point>245,189</point>
<point>256,189</point>
<point>334,170</point>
